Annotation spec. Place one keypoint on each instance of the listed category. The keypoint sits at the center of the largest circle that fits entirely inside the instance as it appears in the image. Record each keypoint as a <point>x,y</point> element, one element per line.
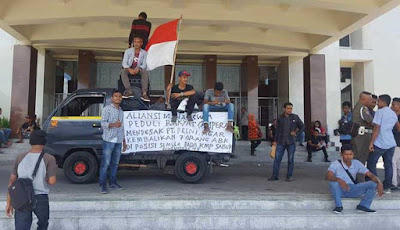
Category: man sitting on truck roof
<point>217,98</point>
<point>134,63</point>
<point>180,92</point>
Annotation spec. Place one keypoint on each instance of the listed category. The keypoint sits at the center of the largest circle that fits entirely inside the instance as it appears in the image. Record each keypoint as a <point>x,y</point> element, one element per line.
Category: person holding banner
<point>180,92</point>
<point>217,98</point>
<point>112,120</point>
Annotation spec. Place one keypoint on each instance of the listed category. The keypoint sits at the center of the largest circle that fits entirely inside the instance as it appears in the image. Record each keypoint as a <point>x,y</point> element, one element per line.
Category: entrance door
<point>267,111</point>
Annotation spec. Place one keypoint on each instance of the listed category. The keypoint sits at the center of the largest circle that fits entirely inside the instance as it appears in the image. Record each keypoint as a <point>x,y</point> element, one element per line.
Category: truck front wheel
<point>190,168</point>
<point>80,167</point>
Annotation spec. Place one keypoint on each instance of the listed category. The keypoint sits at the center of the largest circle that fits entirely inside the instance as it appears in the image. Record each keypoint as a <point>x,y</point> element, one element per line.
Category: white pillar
<point>333,93</point>
<point>290,84</point>
<point>40,85</point>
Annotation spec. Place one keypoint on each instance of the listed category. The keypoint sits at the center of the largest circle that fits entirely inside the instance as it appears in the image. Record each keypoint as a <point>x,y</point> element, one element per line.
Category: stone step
<point>280,203</point>
<point>219,219</point>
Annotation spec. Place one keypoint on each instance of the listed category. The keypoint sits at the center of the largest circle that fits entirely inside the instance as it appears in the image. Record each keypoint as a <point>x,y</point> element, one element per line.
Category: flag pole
<point>176,48</point>
<point>168,94</point>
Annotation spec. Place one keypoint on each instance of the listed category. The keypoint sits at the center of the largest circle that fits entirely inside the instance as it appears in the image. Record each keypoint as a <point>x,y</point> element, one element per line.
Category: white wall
<point>385,41</point>
<point>6,64</point>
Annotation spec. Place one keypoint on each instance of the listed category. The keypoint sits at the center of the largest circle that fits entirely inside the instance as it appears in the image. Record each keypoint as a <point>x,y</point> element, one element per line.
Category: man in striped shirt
<point>140,27</point>
<point>112,120</point>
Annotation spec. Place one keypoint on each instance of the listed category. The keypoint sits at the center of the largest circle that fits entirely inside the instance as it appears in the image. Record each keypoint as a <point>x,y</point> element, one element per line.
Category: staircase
<point>274,212</point>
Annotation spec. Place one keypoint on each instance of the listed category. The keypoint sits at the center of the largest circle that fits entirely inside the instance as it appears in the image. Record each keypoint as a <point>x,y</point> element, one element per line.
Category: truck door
<point>76,124</point>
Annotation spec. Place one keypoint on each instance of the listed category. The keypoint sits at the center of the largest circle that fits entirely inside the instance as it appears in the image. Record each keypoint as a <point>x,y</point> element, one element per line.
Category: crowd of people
<point>366,135</point>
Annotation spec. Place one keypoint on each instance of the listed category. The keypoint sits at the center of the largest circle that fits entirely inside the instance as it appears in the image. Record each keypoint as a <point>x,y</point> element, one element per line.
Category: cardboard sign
<point>152,130</point>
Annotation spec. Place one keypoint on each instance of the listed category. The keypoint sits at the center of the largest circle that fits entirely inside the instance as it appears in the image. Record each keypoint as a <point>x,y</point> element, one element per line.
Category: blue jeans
<point>280,150</point>
<point>368,189</point>
<point>110,158</point>
<point>300,137</point>
<point>4,135</point>
<point>23,219</point>
<point>206,110</point>
<point>387,155</point>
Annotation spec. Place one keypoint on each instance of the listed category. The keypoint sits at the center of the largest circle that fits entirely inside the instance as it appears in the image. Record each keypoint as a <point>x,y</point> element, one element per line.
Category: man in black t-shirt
<point>315,145</point>
<point>25,130</point>
<point>141,28</point>
<point>180,92</point>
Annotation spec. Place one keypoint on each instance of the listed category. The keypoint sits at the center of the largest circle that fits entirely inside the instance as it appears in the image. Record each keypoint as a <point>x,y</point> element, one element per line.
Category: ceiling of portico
<point>232,28</point>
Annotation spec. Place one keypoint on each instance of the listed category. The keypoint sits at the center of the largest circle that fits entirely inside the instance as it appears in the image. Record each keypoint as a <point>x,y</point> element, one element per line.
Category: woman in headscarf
<point>253,134</point>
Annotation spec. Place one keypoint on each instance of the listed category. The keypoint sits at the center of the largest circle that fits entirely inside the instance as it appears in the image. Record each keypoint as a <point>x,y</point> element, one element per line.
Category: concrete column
<point>87,70</point>
<point>23,93</point>
<point>362,79</point>
<point>290,84</point>
<point>249,83</point>
<point>45,85</point>
<point>209,71</point>
<point>314,90</point>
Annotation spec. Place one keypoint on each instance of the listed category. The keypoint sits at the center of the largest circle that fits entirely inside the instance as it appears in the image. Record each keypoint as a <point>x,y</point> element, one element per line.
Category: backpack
<point>21,191</point>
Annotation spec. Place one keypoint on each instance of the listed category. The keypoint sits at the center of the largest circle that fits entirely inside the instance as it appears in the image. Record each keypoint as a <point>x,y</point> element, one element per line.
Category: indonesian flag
<point>161,47</point>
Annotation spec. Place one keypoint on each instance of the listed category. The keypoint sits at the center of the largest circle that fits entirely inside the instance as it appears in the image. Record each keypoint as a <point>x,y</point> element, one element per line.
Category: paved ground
<point>246,177</point>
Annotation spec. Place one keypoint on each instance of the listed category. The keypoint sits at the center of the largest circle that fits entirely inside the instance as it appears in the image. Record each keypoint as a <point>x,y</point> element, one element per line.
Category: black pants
<point>254,145</point>
<point>245,132</point>
<point>311,149</point>
<point>189,107</point>
<point>23,219</point>
<point>345,142</point>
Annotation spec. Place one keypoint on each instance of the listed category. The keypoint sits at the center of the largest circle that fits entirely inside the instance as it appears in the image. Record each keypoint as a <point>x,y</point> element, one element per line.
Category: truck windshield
<point>82,106</point>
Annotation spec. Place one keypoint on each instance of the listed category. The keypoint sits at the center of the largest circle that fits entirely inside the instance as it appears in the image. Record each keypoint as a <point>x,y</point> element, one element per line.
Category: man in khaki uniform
<point>362,116</point>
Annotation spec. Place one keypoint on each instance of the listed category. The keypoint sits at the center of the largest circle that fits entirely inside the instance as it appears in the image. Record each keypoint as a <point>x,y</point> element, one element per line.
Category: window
<point>83,106</point>
<point>345,41</point>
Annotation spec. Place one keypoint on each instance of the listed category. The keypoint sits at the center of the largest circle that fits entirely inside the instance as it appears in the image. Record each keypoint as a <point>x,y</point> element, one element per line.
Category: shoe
<point>145,97</point>
<point>338,210</point>
<point>326,160</point>
<point>189,118</point>
<point>223,165</point>
<point>174,118</point>
<point>289,179</point>
<point>116,187</point>
<point>127,94</point>
<point>301,145</point>
<point>206,129</point>
<point>309,160</point>
<point>272,178</point>
<point>394,188</point>
<point>253,154</point>
<point>387,191</point>
<point>365,209</point>
<point>103,189</point>
<point>229,129</point>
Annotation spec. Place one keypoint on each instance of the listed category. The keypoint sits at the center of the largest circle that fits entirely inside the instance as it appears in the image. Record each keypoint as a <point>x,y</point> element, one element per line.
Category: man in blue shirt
<point>383,143</point>
<point>341,174</point>
<point>396,156</point>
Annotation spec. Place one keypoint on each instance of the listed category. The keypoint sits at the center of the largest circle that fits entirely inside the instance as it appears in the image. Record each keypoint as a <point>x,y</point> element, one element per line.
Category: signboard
<point>151,130</point>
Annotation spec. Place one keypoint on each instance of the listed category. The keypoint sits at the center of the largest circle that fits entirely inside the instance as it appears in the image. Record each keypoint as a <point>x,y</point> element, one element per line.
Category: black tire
<point>80,167</point>
<point>190,168</point>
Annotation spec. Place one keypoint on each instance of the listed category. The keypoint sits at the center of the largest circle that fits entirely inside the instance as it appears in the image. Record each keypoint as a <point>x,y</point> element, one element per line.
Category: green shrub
<point>4,122</point>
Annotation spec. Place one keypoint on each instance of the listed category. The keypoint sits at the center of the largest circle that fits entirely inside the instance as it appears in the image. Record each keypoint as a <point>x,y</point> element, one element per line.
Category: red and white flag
<point>161,46</point>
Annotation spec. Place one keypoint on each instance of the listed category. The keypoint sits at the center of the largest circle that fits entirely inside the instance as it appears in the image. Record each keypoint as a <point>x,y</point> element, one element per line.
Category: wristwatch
<point>181,94</point>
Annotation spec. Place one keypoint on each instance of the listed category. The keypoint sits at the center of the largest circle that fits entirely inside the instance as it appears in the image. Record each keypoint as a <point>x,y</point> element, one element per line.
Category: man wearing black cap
<point>25,130</point>
<point>45,176</point>
<point>180,92</point>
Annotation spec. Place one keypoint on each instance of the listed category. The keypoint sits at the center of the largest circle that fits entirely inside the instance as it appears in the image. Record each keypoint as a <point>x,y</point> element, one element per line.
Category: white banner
<point>150,130</point>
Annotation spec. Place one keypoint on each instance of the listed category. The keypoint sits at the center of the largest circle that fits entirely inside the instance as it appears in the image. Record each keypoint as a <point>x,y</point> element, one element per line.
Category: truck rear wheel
<point>190,168</point>
<point>80,167</point>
